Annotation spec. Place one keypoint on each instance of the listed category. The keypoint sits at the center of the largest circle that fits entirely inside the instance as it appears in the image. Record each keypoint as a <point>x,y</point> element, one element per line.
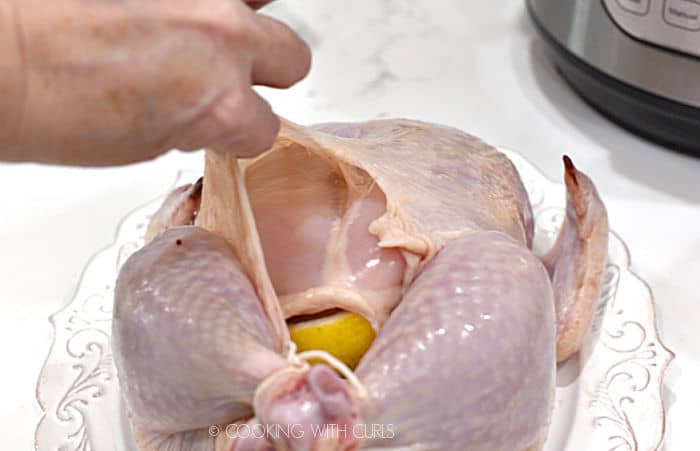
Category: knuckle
<point>241,32</point>
<point>258,138</point>
<point>223,21</point>
<point>229,112</point>
<point>246,122</point>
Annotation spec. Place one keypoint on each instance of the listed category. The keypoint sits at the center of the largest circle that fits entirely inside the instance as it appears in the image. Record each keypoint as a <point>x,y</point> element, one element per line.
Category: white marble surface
<point>476,66</point>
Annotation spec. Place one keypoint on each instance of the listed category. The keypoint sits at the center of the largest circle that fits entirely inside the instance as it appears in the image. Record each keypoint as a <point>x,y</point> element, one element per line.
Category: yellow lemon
<point>345,335</point>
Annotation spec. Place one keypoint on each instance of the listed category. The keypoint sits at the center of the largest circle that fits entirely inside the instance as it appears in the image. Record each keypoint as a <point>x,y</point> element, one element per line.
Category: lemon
<point>345,335</point>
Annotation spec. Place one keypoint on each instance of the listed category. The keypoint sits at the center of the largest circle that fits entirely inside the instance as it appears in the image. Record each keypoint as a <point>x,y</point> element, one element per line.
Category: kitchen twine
<point>299,363</point>
<point>337,365</point>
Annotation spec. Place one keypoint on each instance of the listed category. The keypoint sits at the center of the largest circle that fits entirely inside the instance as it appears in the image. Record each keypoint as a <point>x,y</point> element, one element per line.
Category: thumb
<point>239,122</point>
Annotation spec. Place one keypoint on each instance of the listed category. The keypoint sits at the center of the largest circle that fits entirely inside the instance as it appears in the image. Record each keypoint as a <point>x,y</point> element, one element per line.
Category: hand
<point>118,81</point>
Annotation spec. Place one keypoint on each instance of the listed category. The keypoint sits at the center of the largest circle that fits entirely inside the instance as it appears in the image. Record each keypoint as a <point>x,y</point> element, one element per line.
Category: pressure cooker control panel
<point>669,23</point>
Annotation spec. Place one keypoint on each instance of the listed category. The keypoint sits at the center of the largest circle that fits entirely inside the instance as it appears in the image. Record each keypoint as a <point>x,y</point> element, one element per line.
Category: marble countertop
<point>471,65</point>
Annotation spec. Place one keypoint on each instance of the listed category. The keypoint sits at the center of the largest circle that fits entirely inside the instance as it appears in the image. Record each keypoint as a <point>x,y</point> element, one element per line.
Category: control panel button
<point>682,13</point>
<point>673,24</point>
<point>640,7</point>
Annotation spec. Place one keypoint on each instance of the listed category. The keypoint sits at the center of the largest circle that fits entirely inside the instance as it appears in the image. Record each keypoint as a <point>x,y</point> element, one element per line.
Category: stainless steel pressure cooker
<point>637,61</point>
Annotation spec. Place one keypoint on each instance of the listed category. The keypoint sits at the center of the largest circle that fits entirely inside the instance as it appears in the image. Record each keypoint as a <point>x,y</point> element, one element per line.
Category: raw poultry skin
<point>424,230</point>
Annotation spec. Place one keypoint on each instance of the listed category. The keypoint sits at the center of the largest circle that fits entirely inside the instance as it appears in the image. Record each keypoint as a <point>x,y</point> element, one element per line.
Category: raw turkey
<point>423,230</point>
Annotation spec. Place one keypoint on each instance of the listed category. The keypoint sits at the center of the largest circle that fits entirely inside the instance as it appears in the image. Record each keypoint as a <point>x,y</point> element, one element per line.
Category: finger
<point>241,123</point>
<point>282,58</point>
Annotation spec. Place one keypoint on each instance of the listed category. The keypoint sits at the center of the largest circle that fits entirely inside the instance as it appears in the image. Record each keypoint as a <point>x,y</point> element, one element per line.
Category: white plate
<point>609,398</point>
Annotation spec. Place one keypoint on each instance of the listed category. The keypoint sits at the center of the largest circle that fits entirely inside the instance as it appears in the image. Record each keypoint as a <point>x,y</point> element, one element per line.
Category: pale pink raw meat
<point>424,230</point>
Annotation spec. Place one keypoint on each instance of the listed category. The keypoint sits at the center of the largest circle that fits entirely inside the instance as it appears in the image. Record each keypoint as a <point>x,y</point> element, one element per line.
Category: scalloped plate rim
<point>72,299</point>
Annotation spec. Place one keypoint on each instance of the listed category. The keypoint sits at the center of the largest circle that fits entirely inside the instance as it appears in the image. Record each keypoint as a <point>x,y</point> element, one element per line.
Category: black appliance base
<point>667,122</point>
